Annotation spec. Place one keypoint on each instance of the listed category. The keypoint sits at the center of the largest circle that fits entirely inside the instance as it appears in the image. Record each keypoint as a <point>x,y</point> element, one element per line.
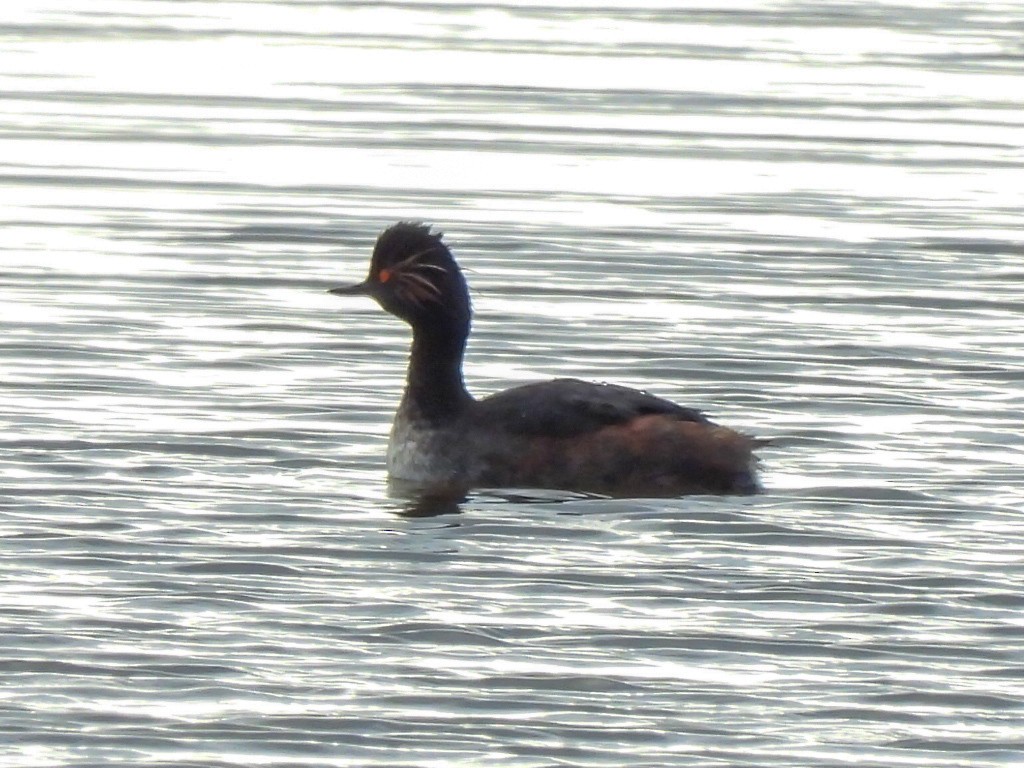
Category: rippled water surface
<point>802,218</point>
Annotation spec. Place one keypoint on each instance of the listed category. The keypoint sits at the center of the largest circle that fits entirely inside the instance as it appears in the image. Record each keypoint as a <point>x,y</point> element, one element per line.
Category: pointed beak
<point>364,288</point>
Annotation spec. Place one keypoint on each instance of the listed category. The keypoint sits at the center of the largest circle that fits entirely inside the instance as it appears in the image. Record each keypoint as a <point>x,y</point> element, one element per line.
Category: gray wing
<point>570,407</point>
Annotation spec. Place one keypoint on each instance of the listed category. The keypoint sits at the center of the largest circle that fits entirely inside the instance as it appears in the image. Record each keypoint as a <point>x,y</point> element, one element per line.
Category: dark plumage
<point>570,407</point>
<point>565,433</point>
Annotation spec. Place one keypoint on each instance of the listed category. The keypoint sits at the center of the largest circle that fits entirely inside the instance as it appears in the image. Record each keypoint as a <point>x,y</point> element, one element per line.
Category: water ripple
<point>803,220</point>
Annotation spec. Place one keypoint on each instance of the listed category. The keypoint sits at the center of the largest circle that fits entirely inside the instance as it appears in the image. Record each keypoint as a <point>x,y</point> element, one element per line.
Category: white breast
<point>421,455</point>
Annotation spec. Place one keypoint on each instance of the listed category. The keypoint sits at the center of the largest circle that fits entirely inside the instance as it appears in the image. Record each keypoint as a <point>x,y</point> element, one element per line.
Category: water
<point>803,219</point>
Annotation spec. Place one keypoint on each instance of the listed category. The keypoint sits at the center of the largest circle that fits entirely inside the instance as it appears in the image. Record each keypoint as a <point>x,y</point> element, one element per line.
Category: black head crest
<point>414,276</point>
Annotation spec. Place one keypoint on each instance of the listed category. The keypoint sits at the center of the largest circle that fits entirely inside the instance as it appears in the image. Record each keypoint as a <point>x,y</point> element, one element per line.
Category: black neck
<point>435,390</point>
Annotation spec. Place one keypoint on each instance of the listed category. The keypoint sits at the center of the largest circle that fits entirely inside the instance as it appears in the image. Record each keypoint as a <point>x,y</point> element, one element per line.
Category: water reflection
<point>434,502</point>
<point>419,504</point>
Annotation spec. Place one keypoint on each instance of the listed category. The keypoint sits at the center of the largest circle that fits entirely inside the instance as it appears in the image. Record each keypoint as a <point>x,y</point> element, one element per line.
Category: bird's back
<point>602,438</point>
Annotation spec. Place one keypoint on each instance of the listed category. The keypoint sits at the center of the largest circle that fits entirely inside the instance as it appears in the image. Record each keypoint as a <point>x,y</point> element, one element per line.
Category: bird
<point>562,434</point>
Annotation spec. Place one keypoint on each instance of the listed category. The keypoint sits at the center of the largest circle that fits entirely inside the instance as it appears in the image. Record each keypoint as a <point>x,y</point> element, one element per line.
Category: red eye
<point>384,275</point>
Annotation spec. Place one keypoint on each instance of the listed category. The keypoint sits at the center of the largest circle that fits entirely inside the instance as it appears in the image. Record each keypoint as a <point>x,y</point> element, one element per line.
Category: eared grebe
<point>561,434</point>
